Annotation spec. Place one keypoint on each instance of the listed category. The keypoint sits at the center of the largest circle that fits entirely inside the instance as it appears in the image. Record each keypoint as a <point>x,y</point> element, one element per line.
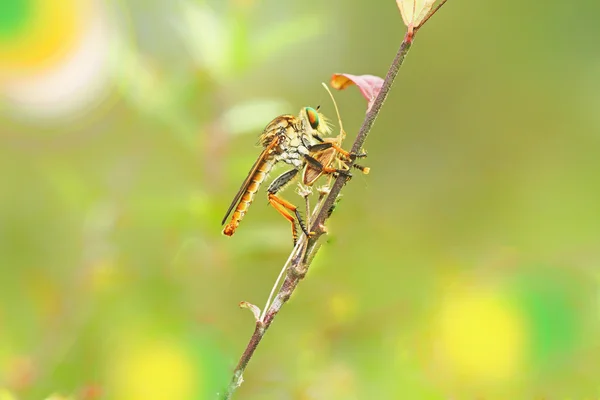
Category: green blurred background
<point>464,266</point>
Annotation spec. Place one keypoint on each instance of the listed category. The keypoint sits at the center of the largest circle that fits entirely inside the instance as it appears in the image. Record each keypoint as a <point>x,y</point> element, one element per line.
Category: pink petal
<point>369,85</point>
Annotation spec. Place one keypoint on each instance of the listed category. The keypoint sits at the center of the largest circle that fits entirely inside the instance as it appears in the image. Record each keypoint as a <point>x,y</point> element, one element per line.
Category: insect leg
<point>320,147</point>
<point>281,181</point>
<point>363,169</point>
<point>282,205</point>
<point>328,170</point>
<point>318,138</point>
<point>348,154</point>
<point>275,202</point>
<point>327,145</point>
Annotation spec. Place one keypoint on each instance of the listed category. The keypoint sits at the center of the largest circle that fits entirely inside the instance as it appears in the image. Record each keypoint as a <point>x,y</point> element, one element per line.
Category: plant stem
<point>362,134</point>
<point>305,250</point>
<point>263,323</point>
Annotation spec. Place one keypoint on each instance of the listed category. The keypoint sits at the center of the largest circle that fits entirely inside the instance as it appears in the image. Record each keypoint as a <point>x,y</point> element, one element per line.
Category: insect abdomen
<point>242,207</point>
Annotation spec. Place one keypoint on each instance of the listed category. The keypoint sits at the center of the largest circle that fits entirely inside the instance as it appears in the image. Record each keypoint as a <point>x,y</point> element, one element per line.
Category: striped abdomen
<point>249,192</point>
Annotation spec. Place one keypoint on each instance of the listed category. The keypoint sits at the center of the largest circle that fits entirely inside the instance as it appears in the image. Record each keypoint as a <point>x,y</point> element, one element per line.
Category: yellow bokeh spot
<point>51,31</point>
<point>480,336</point>
<point>157,370</point>
<point>342,307</point>
<point>44,293</point>
<point>6,395</point>
<point>58,397</point>
<point>105,275</point>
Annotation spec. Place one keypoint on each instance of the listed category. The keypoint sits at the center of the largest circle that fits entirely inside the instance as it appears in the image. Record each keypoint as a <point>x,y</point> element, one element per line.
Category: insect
<point>323,156</point>
<point>289,139</point>
<point>328,153</point>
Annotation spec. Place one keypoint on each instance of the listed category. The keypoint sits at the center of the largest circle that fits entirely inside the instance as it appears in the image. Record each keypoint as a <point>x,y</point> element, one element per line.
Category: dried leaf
<point>369,85</point>
<point>414,11</point>
<point>255,310</point>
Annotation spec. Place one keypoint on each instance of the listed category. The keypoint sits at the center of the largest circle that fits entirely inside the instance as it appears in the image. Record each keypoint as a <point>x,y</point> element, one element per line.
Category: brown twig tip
<point>254,309</point>
<point>410,35</point>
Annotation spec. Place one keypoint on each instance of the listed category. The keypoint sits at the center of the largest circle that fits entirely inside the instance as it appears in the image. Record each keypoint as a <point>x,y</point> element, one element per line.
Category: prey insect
<point>289,139</point>
<point>329,157</point>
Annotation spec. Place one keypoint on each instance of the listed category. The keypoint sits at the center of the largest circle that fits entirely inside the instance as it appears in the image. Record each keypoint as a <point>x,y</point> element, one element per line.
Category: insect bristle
<point>325,127</point>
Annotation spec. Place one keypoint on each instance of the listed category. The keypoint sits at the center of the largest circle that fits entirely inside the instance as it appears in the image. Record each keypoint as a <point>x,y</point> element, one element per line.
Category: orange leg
<point>329,170</point>
<point>282,206</point>
<point>328,144</point>
<point>340,150</point>
<point>347,154</point>
<point>316,164</point>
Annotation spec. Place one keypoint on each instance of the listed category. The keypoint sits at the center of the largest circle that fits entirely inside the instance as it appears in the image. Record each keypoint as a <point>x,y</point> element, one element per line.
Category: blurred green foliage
<point>477,229</point>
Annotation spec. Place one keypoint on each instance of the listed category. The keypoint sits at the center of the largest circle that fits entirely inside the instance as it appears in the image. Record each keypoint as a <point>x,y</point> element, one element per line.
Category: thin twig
<point>362,135</point>
<point>304,252</point>
<point>271,309</point>
<point>298,265</point>
<point>276,284</point>
<point>304,192</point>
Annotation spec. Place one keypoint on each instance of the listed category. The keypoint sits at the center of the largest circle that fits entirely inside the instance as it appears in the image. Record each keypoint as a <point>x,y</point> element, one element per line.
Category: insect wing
<point>311,173</point>
<point>248,179</point>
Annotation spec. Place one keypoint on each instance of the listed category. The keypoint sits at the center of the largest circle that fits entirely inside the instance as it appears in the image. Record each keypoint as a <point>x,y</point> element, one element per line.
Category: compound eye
<point>313,117</point>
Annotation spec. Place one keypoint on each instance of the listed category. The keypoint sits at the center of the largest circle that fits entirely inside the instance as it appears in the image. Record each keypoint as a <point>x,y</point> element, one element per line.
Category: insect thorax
<point>294,136</point>
<point>295,145</point>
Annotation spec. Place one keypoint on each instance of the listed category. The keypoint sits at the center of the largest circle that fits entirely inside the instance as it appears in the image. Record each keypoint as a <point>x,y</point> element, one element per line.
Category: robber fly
<point>289,139</point>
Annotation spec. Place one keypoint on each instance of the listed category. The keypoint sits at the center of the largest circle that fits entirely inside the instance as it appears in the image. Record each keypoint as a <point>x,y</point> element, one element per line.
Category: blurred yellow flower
<point>58,397</point>
<point>342,308</point>
<point>154,370</point>
<point>6,395</point>
<point>105,275</point>
<point>55,55</point>
<point>480,336</point>
<point>38,33</point>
